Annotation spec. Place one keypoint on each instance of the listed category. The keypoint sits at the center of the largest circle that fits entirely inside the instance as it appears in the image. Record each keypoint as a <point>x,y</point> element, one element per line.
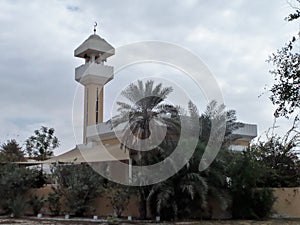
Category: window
<point>97,105</point>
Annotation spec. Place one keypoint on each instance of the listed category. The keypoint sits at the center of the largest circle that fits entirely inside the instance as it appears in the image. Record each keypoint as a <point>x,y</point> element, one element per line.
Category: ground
<point>5,221</point>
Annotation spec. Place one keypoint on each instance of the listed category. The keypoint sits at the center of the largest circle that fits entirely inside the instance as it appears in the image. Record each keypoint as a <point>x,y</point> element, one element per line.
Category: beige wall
<point>41,192</point>
<point>241,143</point>
<point>101,204</point>
<point>286,205</point>
<point>103,207</point>
<point>288,202</point>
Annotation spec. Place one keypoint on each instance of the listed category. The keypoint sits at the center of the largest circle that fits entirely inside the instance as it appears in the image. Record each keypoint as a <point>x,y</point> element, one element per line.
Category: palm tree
<point>189,189</point>
<point>173,197</point>
<point>143,116</point>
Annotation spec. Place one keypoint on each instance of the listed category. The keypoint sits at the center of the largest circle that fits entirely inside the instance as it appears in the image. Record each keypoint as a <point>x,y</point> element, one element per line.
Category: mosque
<point>100,144</point>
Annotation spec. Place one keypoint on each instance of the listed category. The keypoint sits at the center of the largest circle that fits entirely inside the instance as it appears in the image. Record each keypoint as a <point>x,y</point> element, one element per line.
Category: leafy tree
<point>119,196</point>
<point>11,151</point>
<point>40,146</point>
<point>282,164</point>
<point>286,61</point>
<point>15,181</point>
<point>266,164</point>
<point>245,173</point>
<point>79,184</point>
<point>279,158</point>
<point>145,104</point>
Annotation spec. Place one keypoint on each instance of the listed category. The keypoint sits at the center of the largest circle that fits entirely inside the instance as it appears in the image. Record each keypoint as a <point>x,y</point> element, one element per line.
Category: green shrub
<point>79,184</point>
<point>248,201</point>
<point>280,162</point>
<point>119,196</point>
<point>15,181</point>
<point>17,206</point>
<point>36,203</point>
<point>253,204</point>
<point>113,220</point>
<point>262,202</point>
<point>54,202</point>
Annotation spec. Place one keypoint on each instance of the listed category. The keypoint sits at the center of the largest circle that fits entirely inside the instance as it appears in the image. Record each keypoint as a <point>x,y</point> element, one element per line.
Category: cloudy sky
<point>37,39</point>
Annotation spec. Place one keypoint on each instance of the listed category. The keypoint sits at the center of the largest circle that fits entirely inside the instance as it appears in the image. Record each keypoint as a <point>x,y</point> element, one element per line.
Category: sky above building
<point>37,39</point>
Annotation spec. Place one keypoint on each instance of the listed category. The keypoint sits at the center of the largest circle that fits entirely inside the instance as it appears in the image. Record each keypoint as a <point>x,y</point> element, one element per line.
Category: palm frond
<point>157,89</point>
<point>193,111</point>
<point>123,106</point>
<point>141,86</point>
<point>149,87</point>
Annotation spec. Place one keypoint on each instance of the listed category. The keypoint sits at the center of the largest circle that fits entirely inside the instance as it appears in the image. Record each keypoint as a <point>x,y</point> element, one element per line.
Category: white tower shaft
<point>93,75</point>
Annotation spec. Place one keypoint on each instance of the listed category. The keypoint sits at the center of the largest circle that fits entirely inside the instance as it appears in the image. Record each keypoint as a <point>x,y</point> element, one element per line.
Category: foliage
<point>218,188</point>
<point>279,158</point>
<point>186,194</point>
<point>36,203</point>
<point>40,179</point>
<point>54,201</point>
<point>217,112</point>
<point>174,197</point>
<point>249,202</point>
<point>119,196</point>
<point>262,201</point>
<point>11,151</point>
<point>79,184</point>
<point>113,220</point>
<point>281,163</point>
<point>15,181</point>
<point>286,61</point>
<point>189,189</point>
<point>145,103</point>
<point>40,146</point>
<point>17,206</point>
<point>267,164</point>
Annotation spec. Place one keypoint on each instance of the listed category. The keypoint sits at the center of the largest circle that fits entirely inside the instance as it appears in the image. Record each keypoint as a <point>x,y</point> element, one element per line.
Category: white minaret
<point>93,75</point>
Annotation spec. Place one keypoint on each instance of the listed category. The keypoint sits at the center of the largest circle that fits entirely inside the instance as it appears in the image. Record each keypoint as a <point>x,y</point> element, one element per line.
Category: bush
<point>15,181</point>
<point>54,202</point>
<point>36,203</point>
<point>79,185</point>
<point>253,204</point>
<point>280,162</point>
<point>119,196</point>
<point>17,206</point>
<point>262,202</point>
<point>249,202</point>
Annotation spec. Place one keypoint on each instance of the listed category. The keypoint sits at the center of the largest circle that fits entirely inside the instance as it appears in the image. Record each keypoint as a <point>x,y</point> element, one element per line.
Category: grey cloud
<point>37,63</point>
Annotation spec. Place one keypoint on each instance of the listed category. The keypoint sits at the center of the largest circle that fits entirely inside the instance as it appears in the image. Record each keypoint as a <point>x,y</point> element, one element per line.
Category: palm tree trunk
<point>143,198</point>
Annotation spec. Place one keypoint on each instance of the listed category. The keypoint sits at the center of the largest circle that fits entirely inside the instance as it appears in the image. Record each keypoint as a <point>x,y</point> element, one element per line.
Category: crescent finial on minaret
<point>95,25</point>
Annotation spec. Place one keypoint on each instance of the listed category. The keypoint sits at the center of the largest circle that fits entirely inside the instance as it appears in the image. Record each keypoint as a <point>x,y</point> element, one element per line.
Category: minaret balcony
<point>94,73</point>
